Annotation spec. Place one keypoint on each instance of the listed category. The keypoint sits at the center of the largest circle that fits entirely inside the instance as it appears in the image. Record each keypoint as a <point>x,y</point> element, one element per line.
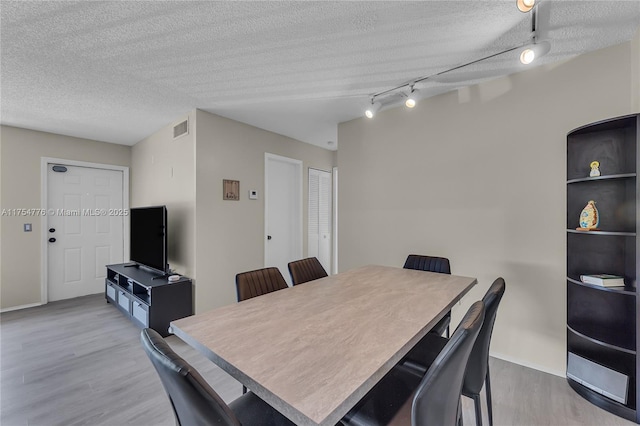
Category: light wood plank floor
<point>80,362</point>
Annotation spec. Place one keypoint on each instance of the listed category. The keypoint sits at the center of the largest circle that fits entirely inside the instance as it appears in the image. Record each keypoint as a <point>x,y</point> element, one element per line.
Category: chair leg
<point>488,392</point>
<point>244,389</point>
<point>448,332</point>
<point>477,403</point>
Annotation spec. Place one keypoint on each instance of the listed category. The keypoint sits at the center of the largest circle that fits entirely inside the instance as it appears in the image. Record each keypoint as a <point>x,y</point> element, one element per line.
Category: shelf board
<point>144,298</point>
<point>607,177</point>
<point>604,402</point>
<point>623,290</point>
<point>607,124</point>
<point>602,342</point>
<point>618,233</point>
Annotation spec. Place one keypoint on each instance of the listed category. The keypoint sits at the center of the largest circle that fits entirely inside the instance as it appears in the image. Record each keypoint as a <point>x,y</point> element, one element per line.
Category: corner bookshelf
<point>602,322</point>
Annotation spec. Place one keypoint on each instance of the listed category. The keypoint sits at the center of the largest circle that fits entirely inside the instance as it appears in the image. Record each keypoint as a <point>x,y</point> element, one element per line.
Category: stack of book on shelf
<point>603,280</point>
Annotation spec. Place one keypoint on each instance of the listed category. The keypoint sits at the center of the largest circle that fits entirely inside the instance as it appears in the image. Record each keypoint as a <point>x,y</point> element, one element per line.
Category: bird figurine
<point>589,218</point>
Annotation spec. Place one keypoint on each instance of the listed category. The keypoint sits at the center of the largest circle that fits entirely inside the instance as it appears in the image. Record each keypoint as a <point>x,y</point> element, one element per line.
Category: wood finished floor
<point>79,362</point>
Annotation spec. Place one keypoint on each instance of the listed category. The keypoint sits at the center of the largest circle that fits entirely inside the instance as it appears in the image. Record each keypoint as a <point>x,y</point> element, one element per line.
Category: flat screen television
<point>148,242</point>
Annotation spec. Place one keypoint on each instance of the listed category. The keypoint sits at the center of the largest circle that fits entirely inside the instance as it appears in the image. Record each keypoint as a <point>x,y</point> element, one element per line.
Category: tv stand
<point>161,276</point>
<point>147,297</point>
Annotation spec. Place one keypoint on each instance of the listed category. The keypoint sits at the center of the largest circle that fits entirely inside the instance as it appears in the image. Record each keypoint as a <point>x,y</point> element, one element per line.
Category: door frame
<point>298,164</point>
<point>44,247</point>
<point>334,225</point>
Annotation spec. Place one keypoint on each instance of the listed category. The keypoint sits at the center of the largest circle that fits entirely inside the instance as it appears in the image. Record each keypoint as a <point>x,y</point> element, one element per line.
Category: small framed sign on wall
<point>230,189</point>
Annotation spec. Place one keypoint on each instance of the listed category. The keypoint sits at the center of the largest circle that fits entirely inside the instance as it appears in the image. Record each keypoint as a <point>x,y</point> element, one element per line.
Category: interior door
<point>319,229</point>
<point>85,223</point>
<point>283,212</point>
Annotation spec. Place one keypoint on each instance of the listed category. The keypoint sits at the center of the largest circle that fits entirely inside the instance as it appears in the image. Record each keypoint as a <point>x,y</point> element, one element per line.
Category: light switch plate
<point>27,227</point>
<point>253,194</point>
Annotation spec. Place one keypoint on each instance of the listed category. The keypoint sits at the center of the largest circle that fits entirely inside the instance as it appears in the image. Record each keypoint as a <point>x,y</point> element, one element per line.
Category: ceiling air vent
<point>181,129</point>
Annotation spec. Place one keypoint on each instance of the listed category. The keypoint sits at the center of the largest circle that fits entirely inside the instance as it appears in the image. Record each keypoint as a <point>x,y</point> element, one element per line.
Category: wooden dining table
<point>314,350</point>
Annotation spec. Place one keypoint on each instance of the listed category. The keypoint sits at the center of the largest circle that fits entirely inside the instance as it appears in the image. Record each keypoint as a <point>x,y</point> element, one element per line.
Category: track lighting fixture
<point>527,54</point>
<point>410,102</point>
<point>525,5</point>
<point>534,51</point>
<point>373,108</point>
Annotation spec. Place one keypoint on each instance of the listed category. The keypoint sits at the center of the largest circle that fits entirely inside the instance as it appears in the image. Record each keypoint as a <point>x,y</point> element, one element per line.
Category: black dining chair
<point>305,270</point>
<point>432,264</point>
<point>256,283</point>
<point>405,398</point>
<point>477,373</point>
<point>193,401</point>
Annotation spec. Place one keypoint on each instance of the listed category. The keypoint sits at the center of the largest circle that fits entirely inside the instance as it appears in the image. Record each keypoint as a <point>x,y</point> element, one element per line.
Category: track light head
<point>527,56</point>
<point>410,102</point>
<point>373,108</point>
<point>525,6</point>
<point>534,51</point>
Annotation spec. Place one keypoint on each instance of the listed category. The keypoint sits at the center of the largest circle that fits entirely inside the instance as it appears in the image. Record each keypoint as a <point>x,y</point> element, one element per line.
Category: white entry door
<point>319,230</point>
<point>85,224</point>
<point>283,212</point>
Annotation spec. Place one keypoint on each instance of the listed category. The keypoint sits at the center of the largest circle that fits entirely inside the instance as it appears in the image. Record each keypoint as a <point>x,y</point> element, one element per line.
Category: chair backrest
<point>428,263</point>
<point>305,270</point>
<point>438,395</point>
<point>479,358</point>
<point>256,283</point>
<point>194,402</point>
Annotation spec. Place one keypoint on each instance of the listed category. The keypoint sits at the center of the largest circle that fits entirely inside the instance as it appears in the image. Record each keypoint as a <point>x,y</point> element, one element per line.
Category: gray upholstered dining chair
<point>477,371</point>
<point>405,398</point>
<point>194,402</point>
<point>256,283</point>
<point>305,270</point>
<point>432,264</point>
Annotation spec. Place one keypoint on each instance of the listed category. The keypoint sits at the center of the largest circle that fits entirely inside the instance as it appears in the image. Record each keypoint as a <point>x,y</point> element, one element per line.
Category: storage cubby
<point>602,322</point>
<point>592,253</point>
<point>614,199</point>
<point>147,297</point>
<point>618,360</point>
<point>612,142</point>
<point>601,315</point>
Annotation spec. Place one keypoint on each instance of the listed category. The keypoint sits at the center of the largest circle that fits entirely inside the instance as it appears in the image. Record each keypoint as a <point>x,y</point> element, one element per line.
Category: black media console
<point>147,297</point>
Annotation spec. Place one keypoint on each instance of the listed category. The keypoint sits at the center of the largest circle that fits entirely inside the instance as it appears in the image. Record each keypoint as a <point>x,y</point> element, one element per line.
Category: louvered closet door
<point>319,238</point>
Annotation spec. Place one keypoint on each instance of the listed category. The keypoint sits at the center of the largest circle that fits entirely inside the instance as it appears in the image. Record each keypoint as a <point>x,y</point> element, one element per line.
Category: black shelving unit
<point>602,322</point>
<point>146,297</point>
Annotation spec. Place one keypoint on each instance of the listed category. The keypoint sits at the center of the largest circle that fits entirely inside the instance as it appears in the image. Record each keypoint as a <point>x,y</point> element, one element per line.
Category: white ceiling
<point>118,71</point>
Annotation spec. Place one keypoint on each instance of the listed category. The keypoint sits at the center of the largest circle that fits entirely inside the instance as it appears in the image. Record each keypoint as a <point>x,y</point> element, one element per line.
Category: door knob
<point>52,240</point>
<point>268,237</point>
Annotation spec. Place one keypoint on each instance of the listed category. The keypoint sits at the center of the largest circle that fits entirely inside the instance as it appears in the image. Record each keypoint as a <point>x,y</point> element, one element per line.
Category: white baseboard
<point>15,308</point>
<point>529,365</point>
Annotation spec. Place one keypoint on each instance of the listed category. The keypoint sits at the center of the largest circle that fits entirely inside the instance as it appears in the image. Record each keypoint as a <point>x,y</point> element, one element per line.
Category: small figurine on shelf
<point>589,218</point>
<point>595,169</point>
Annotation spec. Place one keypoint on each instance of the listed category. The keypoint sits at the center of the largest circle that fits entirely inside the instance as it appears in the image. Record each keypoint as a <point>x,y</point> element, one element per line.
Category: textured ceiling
<point>117,71</point>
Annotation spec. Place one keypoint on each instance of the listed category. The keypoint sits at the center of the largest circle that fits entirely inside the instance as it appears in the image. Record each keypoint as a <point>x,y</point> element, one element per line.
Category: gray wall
<point>210,239</point>
<point>21,151</point>
<point>163,172</point>
<point>230,234</point>
<point>478,176</point>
